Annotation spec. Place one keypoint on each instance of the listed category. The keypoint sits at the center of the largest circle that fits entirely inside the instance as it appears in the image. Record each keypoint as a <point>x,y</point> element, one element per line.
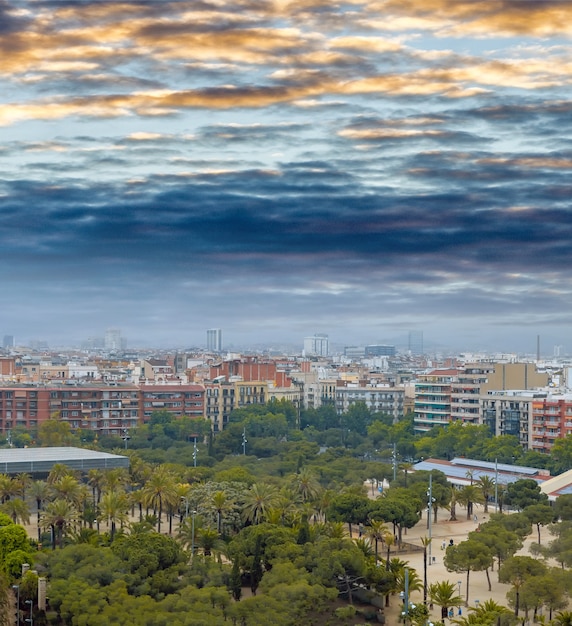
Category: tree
<point>351,508</point>
<point>444,594</point>
<point>55,433</point>
<point>539,514</point>
<point>468,556</point>
<point>501,542</point>
<point>516,570</point>
<point>306,485</point>
<point>376,531</point>
<point>563,507</point>
<point>17,509</point>
<point>59,515</point>
<point>524,492</point>
<point>259,499</point>
<point>160,491</point>
<point>487,486</point>
<point>114,506</point>
<point>235,581</point>
<point>399,508</point>
<point>468,496</point>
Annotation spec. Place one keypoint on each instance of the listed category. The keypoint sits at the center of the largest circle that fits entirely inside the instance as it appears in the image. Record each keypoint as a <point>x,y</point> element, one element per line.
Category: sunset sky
<point>278,168</point>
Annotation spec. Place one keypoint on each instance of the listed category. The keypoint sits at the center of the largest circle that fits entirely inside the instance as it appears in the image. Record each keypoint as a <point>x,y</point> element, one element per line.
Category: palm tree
<point>59,515</point>
<point>425,542</point>
<point>444,594</point>
<point>306,485</point>
<point>487,486</point>
<point>39,490</point>
<point>159,491</point>
<point>364,545</point>
<point>96,480</point>
<point>258,500</point>
<point>23,481</point>
<point>221,503</point>
<point>388,540</point>
<point>17,509</point>
<point>453,504</point>
<point>469,495</point>
<point>562,618</point>
<point>376,531</point>
<point>115,479</point>
<point>8,487</point>
<point>59,470</point>
<point>114,506</point>
<point>207,540</point>
<point>68,488</point>
<point>335,530</point>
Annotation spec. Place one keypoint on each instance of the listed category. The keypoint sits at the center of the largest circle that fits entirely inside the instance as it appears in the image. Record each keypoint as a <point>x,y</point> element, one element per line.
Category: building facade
<point>214,340</point>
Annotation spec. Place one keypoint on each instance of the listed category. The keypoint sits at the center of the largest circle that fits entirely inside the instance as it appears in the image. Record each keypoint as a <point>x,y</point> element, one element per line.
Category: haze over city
<point>282,168</point>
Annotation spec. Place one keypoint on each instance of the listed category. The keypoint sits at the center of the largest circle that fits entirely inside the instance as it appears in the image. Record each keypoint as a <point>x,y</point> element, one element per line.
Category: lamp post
<point>244,440</point>
<point>195,453</point>
<point>459,585</point>
<point>125,436</point>
<point>193,513</point>
<point>16,588</point>
<point>394,461</point>
<point>30,620</point>
<point>430,501</point>
<point>496,485</point>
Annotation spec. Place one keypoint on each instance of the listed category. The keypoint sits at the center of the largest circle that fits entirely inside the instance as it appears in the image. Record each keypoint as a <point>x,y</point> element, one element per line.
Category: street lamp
<point>459,585</point>
<point>30,620</point>
<point>430,502</point>
<point>195,453</point>
<point>193,513</point>
<point>244,440</point>
<point>16,588</point>
<point>126,436</point>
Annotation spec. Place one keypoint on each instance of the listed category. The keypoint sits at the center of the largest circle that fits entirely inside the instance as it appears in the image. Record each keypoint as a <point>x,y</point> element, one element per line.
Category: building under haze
<point>318,345</point>
<point>415,342</point>
<point>8,342</point>
<point>214,340</point>
<point>113,341</point>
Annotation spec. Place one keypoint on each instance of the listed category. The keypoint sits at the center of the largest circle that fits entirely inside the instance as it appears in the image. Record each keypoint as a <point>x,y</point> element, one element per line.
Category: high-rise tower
<point>214,340</point>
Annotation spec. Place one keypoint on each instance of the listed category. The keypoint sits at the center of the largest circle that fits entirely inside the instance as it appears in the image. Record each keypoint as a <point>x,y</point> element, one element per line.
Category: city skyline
<point>278,169</point>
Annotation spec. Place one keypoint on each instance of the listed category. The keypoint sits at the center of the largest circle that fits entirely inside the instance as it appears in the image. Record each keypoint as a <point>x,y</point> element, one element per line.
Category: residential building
<point>214,340</point>
<point>551,420</point>
<point>433,398</point>
<point>113,341</point>
<point>380,350</point>
<point>509,412</point>
<point>415,342</point>
<point>317,345</point>
<point>178,399</point>
<point>377,398</point>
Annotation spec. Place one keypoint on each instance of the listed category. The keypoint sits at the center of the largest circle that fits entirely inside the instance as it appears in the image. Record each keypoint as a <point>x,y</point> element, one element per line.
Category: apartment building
<point>107,409</point>
<point>509,412</point>
<point>551,420</point>
<point>455,394</point>
<point>377,398</point>
<point>433,398</point>
<point>466,390</point>
<point>179,400</point>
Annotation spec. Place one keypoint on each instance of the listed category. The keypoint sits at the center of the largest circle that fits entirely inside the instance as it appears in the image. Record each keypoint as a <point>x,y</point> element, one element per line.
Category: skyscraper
<point>416,342</point>
<point>318,345</point>
<point>113,339</point>
<point>8,341</point>
<point>214,340</point>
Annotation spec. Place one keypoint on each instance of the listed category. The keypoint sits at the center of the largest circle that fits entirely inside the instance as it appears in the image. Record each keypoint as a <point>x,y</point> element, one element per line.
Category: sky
<point>278,168</point>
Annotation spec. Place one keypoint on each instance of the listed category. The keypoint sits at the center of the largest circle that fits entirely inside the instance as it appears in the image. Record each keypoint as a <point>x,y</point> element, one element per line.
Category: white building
<point>318,345</point>
<point>214,340</point>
